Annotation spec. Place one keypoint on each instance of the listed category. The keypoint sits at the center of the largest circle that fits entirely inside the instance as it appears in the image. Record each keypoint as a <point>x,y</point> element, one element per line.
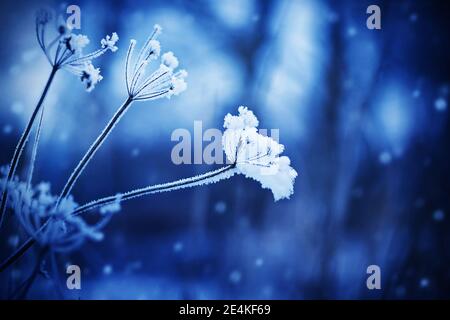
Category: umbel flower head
<point>66,50</point>
<point>50,226</point>
<point>248,152</point>
<point>163,82</point>
<point>257,156</point>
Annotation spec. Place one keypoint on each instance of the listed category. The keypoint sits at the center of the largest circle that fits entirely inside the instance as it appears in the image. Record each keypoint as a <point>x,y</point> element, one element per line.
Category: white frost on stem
<point>203,179</point>
<point>93,149</point>
<point>251,154</point>
<point>34,149</point>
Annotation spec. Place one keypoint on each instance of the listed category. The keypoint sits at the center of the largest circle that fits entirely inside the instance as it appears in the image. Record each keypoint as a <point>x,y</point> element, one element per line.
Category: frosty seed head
<point>163,82</point>
<point>169,60</point>
<point>65,51</point>
<point>90,76</point>
<point>76,42</point>
<point>245,119</point>
<point>257,156</point>
<point>109,42</point>
<point>154,49</point>
<point>59,229</point>
<point>178,84</point>
<point>157,29</point>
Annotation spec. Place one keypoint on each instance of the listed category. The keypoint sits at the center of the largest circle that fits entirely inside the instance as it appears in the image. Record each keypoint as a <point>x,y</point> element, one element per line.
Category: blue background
<point>359,111</point>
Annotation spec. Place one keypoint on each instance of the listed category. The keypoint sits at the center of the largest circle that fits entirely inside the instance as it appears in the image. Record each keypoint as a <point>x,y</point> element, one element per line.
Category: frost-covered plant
<point>257,156</point>
<point>55,228</point>
<point>52,224</point>
<point>64,51</point>
<point>163,82</point>
<point>249,153</point>
<point>56,222</point>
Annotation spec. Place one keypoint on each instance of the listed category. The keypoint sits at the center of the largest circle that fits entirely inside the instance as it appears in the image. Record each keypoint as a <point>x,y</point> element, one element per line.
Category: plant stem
<point>21,144</point>
<point>22,291</point>
<point>206,178</point>
<point>34,150</point>
<point>93,149</point>
<point>17,254</point>
<point>209,177</point>
<point>55,275</point>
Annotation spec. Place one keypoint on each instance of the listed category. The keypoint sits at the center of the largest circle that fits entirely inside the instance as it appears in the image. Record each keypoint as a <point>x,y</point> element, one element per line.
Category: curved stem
<point>22,291</point>
<point>21,145</point>
<point>93,149</point>
<point>206,178</point>
<point>22,249</point>
<point>35,148</point>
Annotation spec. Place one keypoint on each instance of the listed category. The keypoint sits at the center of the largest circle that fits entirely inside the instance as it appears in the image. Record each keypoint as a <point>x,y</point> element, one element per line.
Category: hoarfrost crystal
<point>257,156</point>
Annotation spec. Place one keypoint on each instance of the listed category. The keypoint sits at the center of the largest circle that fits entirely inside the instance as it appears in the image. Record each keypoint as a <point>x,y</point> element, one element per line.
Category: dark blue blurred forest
<point>363,115</point>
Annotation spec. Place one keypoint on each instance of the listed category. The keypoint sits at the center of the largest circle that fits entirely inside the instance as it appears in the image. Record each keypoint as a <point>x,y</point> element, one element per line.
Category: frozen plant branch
<point>161,83</point>
<point>251,154</point>
<point>203,179</point>
<point>59,229</point>
<point>67,55</point>
<point>35,148</point>
<point>21,145</point>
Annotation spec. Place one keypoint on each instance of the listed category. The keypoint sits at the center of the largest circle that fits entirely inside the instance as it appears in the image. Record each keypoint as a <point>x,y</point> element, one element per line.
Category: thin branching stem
<point>93,149</point>
<point>170,186</point>
<point>152,95</point>
<point>209,177</point>
<point>127,65</point>
<point>144,49</point>
<point>149,82</point>
<point>17,254</point>
<point>34,149</point>
<point>21,145</point>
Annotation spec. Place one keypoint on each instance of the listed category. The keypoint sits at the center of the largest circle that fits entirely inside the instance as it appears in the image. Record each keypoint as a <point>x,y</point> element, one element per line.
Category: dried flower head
<point>249,152</point>
<point>66,50</point>
<point>257,156</point>
<point>163,82</point>
<point>57,228</point>
<point>110,42</point>
<point>90,76</point>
